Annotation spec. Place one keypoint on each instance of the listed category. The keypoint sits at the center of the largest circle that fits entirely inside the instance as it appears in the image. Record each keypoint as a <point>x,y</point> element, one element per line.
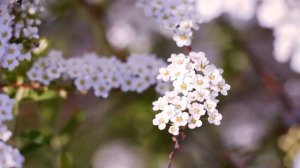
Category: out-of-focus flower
<point>47,69</point>
<point>292,88</point>
<point>9,156</point>
<point>239,9</point>
<point>23,27</point>
<point>5,134</point>
<point>296,162</point>
<point>195,92</point>
<point>6,108</point>
<point>126,156</point>
<point>176,15</point>
<point>290,144</point>
<point>102,74</point>
<point>283,16</point>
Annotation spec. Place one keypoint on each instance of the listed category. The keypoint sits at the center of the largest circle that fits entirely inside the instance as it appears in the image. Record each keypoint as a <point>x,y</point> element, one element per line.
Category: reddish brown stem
<point>189,48</point>
<point>176,140</point>
<point>17,85</point>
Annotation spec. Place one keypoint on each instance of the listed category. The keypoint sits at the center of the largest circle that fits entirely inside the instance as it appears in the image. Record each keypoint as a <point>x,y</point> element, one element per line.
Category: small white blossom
<point>5,134</point>
<point>174,130</point>
<point>6,108</point>
<point>194,122</point>
<point>161,120</point>
<point>214,118</point>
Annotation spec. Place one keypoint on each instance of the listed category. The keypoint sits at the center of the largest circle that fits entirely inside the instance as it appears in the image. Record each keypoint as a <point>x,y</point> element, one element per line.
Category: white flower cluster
<point>139,72</point>
<point>239,9</point>
<point>284,17</point>
<point>27,25</point>
<point>175,15</point>
<point>9,156</point>
<point>47,69</point>
<point>196,85</point>
<point>12,52</point>
<point>99,73</point>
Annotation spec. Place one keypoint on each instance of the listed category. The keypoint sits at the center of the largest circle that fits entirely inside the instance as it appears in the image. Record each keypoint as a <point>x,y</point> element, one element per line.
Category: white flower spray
<point>196,85</point>
<point>14,27</point>
<point>9,156</point>
<point>100,74</point>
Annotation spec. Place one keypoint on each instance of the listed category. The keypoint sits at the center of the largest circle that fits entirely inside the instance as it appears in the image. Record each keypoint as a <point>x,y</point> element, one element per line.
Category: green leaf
<point>34,140</point>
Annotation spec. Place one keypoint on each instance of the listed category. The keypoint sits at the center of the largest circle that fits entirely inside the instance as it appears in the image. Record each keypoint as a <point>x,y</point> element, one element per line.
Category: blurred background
<point>260,116</point>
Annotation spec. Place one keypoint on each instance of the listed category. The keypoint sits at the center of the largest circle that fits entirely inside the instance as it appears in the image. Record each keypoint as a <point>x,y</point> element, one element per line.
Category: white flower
<point>171,96</point>
<point>180,119</point>
<point>161,120</point>
<point>24,56</point>
<point>183,86</point>
<point>200,82</point>
<point>5,134</point>
<point>194,122</point>
<point>202,94</point>
<point>159,104</point>
<point>271,12</point>
<point>83,83</point>
<point>178,60</point>
<point>212,74</point>
<point>210,105</point>
<point>239,9</point>
<point>214,118</point>
<point>199,58</point>
<point>169,111</point>
<point>101,89</point>
<point>221,87</point>
<point>164,74</point>
<point>283,17</point>
<point>209,9</point>
<point>6,108</point>
<point>180,103</point>
<point>10,62</point>
<point>53,72</point>
<point>174,130</point>
<point>177,72</point>
<point>162,87</point>
<point>183,38</point>
<point>197,109</point>
<point>31,32</point>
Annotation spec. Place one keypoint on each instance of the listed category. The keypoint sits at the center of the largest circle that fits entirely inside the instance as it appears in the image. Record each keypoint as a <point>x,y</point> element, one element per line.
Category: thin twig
<point>176,139</point>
